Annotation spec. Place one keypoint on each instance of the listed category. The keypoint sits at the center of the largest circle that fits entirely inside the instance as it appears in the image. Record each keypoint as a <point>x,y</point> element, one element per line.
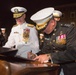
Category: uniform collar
<point>23,25</point>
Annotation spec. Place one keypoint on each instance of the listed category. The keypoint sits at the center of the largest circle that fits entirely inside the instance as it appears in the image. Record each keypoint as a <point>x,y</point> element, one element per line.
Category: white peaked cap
<point>3,28</point>
<point>20,9</point>
<point>57,13</point>
<point>42,15</point>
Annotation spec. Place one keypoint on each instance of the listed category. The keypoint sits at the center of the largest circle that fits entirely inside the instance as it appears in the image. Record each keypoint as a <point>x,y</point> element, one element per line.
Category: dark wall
<point>32,6</point>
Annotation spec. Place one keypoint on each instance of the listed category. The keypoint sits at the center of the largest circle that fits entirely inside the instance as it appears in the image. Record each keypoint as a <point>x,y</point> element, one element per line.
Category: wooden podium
<point>38,69</point>
<point>10,65</point>
<point>32,68</point>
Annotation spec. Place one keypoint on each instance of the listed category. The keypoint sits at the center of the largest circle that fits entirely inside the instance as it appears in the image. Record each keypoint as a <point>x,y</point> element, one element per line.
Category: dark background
<point>32,6</point>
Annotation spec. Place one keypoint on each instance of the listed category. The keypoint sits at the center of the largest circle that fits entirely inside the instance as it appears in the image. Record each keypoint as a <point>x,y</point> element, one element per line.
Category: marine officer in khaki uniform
<point>23,35</point>
<point>59,44</point>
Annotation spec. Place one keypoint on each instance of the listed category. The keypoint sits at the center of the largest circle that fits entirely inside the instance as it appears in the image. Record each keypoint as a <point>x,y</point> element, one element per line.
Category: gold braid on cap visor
<point>42,26</point>
<point>17,15</point>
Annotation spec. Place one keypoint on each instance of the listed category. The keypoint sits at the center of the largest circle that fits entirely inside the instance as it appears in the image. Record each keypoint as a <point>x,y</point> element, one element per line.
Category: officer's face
<point>50,27</point>
<point>20,20</point>
<point>3,31</point>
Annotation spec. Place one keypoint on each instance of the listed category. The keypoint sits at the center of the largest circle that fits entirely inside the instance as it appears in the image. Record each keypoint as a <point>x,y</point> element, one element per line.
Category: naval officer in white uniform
<point>23,35</point>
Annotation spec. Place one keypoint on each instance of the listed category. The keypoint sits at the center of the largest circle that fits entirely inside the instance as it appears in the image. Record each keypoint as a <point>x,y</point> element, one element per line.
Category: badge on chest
<point>26,33</point>
<point>61,39</point>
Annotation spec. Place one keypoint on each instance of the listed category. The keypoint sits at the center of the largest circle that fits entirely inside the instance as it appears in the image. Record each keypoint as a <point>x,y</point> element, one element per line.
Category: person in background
<point>4,36</point>
<point>57,15</point>
<point>59,44</point>
<point>23,35</point>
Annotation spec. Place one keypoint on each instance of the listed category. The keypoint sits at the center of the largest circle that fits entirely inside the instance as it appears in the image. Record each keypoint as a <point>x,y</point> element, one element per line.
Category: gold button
<point>61,24</point>
<point>53,40</point>
<point>53,33</point>
<point>54,29</point>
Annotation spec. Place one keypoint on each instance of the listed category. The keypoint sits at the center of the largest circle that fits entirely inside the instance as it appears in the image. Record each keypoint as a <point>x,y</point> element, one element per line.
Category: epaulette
<point>65,25</point>
<point>30,25</point>
<point>15,25</point>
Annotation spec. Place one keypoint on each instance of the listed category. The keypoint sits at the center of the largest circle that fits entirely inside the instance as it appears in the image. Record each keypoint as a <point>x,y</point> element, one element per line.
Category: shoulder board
<point>15,25</point>
<point>65,25</point>
<point>30,25</point>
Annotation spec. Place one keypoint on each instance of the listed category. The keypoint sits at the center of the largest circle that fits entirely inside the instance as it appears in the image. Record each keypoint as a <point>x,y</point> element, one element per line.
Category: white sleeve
<point>34,37</point>
<point>10,43</point>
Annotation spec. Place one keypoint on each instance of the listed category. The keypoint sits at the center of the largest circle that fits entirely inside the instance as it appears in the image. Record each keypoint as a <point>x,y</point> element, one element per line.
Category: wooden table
<point>34,68</point>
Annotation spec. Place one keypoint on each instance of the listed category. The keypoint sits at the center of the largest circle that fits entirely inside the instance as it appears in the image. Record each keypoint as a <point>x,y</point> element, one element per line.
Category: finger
<point>41,61</point>
<point>36,58</point>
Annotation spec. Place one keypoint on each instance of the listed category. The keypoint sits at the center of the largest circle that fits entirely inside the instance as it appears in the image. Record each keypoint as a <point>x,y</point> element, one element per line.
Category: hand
<point>31,55</point>
<point>43,58</point>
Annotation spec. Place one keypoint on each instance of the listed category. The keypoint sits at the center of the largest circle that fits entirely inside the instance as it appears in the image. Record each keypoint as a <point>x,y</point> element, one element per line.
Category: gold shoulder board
<point>15,25</point>
<point>30,25</point>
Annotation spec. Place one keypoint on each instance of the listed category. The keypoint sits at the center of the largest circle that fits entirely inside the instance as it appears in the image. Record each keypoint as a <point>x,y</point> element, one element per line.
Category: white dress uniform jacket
<point>16,38</point>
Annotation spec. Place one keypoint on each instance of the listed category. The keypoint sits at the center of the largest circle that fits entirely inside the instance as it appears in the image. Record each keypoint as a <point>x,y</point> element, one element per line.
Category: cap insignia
<point>15,10</point>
